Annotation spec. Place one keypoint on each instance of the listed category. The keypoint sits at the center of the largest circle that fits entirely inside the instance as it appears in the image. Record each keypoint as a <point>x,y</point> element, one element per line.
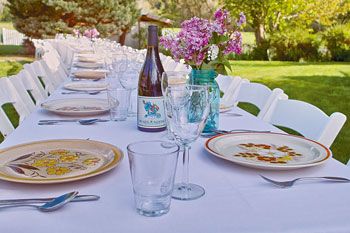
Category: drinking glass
<point>187,108</point>
<point>172,78</point>
<point>118,101</point>
<point>152,168</point>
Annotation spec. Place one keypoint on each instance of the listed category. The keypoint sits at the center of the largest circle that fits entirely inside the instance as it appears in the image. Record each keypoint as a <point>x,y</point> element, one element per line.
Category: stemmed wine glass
<point>172,78</point>
<point>187,108</point>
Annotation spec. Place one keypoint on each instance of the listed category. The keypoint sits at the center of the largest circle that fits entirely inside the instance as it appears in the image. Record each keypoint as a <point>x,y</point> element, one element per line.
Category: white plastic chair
<point>36,70</point>
<point>23,82</point>
<point>32,83</point>
<point>9,94</point>
<point>306,119</point>
<point>254,93</point>
<point>22,92</point>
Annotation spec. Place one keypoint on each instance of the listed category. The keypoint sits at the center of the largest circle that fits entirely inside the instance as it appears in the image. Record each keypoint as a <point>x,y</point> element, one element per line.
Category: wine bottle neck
<point>153,36</point>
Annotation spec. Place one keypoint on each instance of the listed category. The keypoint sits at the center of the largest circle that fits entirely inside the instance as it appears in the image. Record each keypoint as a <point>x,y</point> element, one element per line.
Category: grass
<point>325,85</point>
<point>11,50</point>
<point>7,25</point>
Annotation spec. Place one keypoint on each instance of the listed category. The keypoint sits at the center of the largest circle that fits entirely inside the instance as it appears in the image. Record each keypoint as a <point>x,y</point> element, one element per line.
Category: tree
<point>42,18</point>
<point>269,16</point>
<point>179,10</point>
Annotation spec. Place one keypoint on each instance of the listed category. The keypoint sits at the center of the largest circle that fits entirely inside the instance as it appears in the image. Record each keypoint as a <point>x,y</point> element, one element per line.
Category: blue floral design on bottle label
<point>150,112</point>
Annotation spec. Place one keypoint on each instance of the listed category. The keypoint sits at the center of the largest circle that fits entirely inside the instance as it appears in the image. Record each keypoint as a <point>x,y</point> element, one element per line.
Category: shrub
<point>295,45</point>
<point>337,40</point>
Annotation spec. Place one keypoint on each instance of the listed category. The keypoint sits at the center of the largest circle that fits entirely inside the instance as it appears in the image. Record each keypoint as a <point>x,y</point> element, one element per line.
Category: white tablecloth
<point>236,199</point>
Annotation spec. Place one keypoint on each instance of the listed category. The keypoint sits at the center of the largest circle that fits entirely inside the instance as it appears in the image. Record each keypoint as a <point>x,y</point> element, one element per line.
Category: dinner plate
<point>57,161</point>
<point>77,106</point>
<point>90,74</point>
<point>272,151</point>
<point>92,65</point>
<point>86,86</point>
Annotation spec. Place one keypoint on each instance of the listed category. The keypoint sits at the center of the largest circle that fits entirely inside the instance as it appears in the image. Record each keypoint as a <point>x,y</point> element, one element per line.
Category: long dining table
<point>236,199</point>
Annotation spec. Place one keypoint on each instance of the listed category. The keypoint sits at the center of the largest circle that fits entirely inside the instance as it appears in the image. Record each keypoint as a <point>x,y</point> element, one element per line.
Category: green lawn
<point>7,25</point>
<point>325,85</point>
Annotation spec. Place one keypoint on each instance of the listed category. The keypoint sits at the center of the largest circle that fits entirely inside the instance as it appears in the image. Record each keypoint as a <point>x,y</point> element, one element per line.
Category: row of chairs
<point>275,108</point>
<point>32,85</point>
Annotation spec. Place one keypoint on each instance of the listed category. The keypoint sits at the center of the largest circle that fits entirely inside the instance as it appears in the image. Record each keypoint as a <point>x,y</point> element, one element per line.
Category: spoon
<point>52,205</point>
<point>221,131</point>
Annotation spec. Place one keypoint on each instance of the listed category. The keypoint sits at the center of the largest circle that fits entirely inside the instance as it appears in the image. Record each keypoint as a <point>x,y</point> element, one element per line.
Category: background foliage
<point>43,18</point>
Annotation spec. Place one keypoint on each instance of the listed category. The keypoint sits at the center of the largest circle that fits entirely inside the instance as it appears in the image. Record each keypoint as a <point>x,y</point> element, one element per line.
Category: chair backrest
<point>224,82</point>
<point>24,79</point>
<point>16,81</point>
<point>32,83</point>
<point>58,69</point>
<point>54,78</point>
<point>36,70</point>
<point>9,94</point>
<point>306,119</point>
<point>259,95</point>
<point>232,90</point>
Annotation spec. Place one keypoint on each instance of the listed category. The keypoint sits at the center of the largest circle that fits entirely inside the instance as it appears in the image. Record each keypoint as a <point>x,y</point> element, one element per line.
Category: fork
<point>290,183</point>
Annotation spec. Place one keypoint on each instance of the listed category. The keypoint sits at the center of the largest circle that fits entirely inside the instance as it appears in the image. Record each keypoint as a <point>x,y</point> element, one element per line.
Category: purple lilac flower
<point>234,45</point>
<point>91,33</point>
<point>221,21</point>
<point>242,19</point>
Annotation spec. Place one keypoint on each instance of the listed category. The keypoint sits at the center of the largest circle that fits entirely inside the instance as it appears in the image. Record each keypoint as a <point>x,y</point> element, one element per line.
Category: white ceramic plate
<point>57,161</point>
<point>86,86</point>
<point>272,151</point>
<point>77,106</point>
<point>92,65</point>
<point>90,74</point>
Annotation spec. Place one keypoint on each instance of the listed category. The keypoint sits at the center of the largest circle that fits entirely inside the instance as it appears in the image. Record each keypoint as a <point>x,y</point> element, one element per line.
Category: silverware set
<point>50,204</point>
<point>80,121</point>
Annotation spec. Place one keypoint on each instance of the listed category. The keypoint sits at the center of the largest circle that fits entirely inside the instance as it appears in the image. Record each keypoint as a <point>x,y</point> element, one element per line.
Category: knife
<point>43,200</point>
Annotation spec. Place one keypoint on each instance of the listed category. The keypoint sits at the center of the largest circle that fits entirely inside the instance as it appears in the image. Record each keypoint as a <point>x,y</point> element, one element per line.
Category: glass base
<point>187,193</point>
<point>154,213</point>
<point>208,133</point>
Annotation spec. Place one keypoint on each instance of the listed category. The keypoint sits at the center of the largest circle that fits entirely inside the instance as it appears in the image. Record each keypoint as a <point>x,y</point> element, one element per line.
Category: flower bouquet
<point>205,45</point>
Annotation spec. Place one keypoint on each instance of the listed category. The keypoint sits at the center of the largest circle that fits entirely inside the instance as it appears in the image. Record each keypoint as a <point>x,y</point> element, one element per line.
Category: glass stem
<point>185,167</point>
<point>130,102</point>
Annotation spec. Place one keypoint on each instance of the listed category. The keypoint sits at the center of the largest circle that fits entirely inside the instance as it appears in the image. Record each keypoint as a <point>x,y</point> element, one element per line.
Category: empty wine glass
<point>172,78</point>
<point>187,108</point>
<point>129,80</point>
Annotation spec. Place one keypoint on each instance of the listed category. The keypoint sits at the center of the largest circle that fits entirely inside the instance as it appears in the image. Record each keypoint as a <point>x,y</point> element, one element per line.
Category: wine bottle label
<point>150,112</point>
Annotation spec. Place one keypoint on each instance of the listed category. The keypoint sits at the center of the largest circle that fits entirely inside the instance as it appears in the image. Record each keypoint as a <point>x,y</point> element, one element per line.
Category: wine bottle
<point>150,101</point>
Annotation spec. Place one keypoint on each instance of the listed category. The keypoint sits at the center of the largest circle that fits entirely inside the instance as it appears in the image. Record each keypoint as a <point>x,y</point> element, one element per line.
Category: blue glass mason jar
<point>207,77</point>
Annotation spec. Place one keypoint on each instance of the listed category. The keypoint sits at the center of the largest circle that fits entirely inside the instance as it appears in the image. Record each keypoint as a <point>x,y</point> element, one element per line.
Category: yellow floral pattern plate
<point>271,151</point>
<point>57,161</point>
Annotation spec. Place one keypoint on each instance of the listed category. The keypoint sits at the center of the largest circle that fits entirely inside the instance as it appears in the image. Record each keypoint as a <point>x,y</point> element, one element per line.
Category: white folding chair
<point>36,70</point>
<point>8,94</point>
<point>306,119</point>
<point>32,83</point>
<point>255,93</point>
<point>22,91</point>
<point>23,82</point>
